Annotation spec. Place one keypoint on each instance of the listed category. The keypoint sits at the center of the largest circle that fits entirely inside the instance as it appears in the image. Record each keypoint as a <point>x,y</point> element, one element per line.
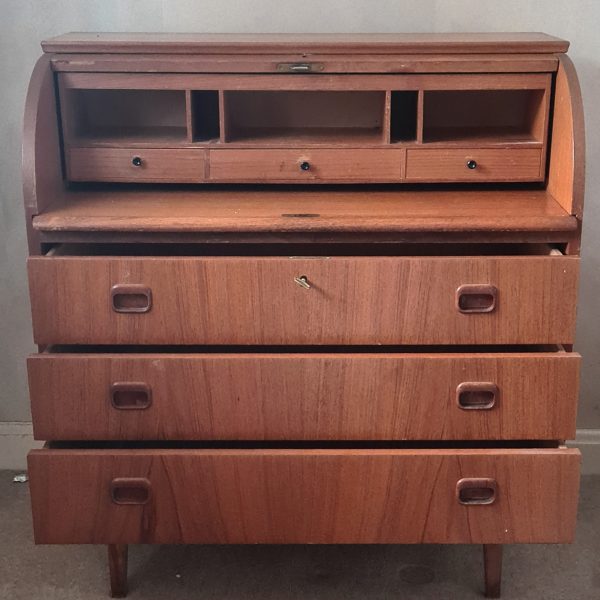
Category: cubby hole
<point>205,115</point>
<point>482,116</point>
<point>304,117</point>
<point>404,107</point>
<point>126,117</point>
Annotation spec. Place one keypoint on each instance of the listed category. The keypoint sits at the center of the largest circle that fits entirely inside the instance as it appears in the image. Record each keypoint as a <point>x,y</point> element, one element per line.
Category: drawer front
<point>472,164</point>
<point>306,166</point>
<point>275,300</point>
<point>304,496</point>
<point>303,397</point>
<point>136,165</point>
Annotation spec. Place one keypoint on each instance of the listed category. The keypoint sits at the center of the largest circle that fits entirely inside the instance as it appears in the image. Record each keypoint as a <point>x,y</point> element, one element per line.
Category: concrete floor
<point>29,572</point>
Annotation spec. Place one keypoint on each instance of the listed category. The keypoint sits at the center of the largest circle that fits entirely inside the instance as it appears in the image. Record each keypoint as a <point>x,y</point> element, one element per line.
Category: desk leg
<point>492,566</point>
<point>117,565</point>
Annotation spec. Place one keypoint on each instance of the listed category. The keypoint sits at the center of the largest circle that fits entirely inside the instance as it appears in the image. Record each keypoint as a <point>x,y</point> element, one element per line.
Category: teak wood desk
<point>304,289</point>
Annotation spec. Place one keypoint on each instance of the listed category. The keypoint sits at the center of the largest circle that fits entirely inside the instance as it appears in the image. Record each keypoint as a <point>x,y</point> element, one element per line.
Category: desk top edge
<point>340,43</point>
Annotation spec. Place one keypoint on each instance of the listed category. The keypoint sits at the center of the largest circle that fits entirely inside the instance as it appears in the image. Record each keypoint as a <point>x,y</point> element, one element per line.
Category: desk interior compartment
<point>301,117</point>
<point>122,117</point>
<point>484,116</point>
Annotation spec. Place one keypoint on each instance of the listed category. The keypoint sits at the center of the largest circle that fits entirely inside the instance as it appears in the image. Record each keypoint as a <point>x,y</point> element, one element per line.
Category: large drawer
<point>281,300</point>
<point>142,165</point>
<point>159,396</point>
<point>474,164</point>
<point>308,165</point>
<point>174,496</point>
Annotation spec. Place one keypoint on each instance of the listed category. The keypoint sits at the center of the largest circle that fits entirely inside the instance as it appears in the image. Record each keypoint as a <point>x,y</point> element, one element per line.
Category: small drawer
<point>301,496</point>
<point>472,164</point>
<point>290,300</point>
<point>136,165</point>
<point>321,396</point>
<point>307,166</point>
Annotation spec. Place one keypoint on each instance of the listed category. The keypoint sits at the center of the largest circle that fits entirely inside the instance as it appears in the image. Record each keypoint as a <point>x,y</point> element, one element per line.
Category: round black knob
<point>305,166</point>
<point>471,164</point>
<point>136,161</point>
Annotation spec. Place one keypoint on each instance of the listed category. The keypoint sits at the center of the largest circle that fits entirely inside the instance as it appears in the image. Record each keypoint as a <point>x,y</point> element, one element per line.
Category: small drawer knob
<point>305,165</point>
<point>136,161</point>
<point>471,164</point>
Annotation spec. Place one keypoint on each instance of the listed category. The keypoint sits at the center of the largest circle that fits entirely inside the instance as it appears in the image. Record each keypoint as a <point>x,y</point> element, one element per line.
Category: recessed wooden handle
<point>474,491</point>
<point>477,395</point>
<point>130,395</point>
<point>130,298</point>
<point>130,490</point>
<point>476,298</point>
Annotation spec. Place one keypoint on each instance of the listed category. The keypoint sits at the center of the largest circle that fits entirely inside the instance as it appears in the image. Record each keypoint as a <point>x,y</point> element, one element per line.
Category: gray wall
<point>25,22</point>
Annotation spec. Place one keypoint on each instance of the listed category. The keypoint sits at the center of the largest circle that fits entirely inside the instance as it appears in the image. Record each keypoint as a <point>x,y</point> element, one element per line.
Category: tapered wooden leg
<point>492,566</point>
<point>117,565</point>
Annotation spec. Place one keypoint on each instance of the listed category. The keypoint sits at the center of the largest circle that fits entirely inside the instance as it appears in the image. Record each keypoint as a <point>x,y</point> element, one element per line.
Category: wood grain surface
<point>313,396</point>
<point>115,164</point>
<point>566,179</point>
<point>303,496</point>
<point>351,300</point>
<point>358,165</point>
<point>329,43</point>
<point>334,210</point>
<point>498,164</point>
<point>41,153</point>
<point>332,63</point>
<point>300,82</point>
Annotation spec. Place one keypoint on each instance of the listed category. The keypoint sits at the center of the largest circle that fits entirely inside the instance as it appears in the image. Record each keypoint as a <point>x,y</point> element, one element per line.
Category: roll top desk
<point>304,289</point>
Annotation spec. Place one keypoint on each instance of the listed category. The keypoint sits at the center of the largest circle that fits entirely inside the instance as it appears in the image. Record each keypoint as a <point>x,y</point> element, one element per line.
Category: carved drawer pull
<point>476,298</point>
<point>130,298</point>
<point>130,490</point>
<point>475,491</point>
<point>477,395</point>
<point>126,395</point>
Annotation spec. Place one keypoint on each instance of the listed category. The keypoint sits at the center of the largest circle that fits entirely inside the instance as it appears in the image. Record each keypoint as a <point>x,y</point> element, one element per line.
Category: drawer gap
<point>309,250</point>
<point>300,445</point>
<point>321,349</point>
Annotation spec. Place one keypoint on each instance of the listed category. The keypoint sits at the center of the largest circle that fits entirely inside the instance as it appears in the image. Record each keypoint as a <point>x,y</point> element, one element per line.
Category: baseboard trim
<point>16,439</point>
<point>588,442</point>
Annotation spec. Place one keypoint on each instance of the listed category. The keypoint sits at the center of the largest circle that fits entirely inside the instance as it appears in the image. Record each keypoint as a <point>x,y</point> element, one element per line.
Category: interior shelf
<point>308,136</point>
<point>484,116</point>
<point>355,118</point>
<point>304,117</point>
<point>120,117</point>
<point>480,136</point>
<point>162,137</point>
